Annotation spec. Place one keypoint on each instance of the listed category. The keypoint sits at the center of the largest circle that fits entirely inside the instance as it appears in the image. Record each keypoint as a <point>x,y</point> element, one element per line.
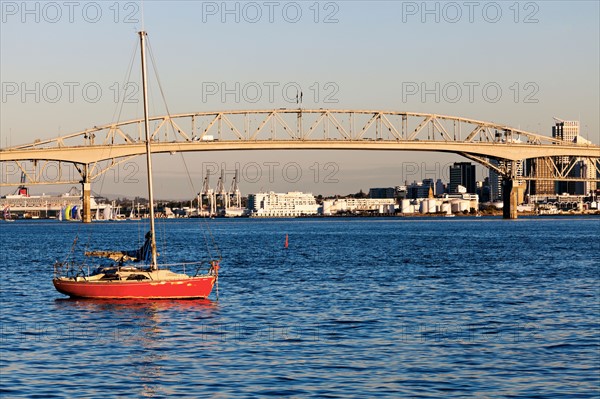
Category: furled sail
<point>143,254</point>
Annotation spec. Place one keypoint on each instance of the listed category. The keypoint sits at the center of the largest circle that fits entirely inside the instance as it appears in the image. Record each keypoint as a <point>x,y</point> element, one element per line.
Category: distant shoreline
<point>486,214</point>
<point>419,215</point>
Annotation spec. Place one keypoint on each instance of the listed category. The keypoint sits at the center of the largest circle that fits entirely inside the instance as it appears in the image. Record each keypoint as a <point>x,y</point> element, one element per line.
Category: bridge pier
<point>86,216</point>
<point>509,198</point>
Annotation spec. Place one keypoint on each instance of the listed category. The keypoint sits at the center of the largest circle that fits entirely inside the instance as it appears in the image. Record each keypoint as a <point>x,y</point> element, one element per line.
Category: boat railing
<point>70,269</point>
<point>194,268</point>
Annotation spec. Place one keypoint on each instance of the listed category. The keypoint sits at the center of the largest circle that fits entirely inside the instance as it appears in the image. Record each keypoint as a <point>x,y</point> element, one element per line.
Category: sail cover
<point>143,254</point>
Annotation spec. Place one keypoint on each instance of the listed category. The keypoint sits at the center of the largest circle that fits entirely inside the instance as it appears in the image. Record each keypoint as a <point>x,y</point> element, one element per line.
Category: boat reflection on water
<point>135,304</point>
<point>143,335</point>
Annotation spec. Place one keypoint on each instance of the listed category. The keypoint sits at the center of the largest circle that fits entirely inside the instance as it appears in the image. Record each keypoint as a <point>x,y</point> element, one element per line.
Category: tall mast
<point>153,265</point>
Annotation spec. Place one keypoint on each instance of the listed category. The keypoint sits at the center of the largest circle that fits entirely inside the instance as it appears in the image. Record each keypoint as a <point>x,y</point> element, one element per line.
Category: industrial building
<point>448,204</point>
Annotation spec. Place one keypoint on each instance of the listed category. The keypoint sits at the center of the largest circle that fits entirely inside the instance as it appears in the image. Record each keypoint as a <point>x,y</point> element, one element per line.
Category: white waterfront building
<point>273,204</point>
<point>380,205</point>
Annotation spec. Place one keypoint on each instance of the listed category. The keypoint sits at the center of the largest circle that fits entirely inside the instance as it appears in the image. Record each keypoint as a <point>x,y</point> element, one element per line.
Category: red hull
<point>194,287</point>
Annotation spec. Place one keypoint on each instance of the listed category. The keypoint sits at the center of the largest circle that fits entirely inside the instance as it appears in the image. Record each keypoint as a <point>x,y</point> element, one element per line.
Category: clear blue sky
<point>369,50</point>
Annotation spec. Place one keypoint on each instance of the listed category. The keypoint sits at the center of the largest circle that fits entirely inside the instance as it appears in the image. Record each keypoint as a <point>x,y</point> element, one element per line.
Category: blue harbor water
<point>437,307</point>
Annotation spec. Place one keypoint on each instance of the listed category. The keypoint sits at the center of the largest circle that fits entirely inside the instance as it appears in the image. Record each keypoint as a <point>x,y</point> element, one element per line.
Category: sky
<point>62,65</point>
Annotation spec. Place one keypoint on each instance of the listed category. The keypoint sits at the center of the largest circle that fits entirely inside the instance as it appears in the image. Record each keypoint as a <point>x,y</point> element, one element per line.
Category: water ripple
<point>354,308</point>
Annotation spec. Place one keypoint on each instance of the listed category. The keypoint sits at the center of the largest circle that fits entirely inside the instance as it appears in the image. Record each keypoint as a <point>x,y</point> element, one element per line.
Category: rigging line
<point>206,241</point>
<point>70,253</point>
<point>162,236</point>
<point>204,231</point>
<point>208,251</point>
<point>208,232</point>
<point>122,102</point>
<point>182,263</point>
<point>126,81</point>
<point>187,171</point>
<point>141,230</point>
<point>89,240</point>
<point>155,69</point>
<point>77,235</point>
<point>162,228</point>
<point>160,87</point>
<point>214,243</point>
<point>212,238</point>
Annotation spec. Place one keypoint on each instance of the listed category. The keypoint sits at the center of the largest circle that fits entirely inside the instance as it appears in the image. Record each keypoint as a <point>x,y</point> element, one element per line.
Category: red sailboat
<point>124,279</point>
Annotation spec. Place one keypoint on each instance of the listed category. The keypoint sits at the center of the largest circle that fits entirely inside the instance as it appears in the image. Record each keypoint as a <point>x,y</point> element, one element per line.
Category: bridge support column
<point>509,197</point>
<point>86,216</point>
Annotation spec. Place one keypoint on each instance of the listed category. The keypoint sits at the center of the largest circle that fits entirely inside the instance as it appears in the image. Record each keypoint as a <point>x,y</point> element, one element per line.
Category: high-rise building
<point>439,187</point>
<point>540,168</point>
<point>423,189</point>
<point>385,192</point>
<point>584,168</point>
<point>566,131</point>
<point>483,190</point>
<point>496,180</point>
<point>462,174</point>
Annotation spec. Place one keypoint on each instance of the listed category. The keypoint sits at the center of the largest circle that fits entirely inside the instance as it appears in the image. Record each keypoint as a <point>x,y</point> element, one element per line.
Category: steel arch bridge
<point>96,150</point>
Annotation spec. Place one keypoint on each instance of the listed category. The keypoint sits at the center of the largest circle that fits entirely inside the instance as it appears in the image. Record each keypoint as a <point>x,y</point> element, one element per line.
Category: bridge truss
<point>87,155</point>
